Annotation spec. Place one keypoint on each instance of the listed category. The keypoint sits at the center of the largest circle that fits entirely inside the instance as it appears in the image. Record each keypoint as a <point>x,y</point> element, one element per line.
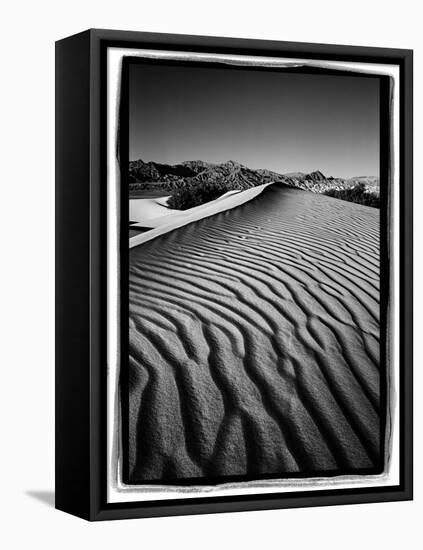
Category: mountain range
<point>233,175</point>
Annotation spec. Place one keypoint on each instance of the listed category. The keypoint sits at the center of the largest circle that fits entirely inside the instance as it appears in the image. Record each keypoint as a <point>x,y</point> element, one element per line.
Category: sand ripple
<point>254,343</point>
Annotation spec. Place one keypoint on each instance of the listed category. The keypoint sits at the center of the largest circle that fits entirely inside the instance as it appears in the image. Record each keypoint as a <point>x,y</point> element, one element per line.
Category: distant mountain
<point>140,171</point>
<point>177,176</point>
<point>232,175</point>
<point>371,182</point>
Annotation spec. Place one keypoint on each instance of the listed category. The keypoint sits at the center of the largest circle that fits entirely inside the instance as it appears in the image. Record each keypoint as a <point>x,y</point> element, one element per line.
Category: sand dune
<point>180,218</point>
<point>254,343</point>
<point>143,210</point>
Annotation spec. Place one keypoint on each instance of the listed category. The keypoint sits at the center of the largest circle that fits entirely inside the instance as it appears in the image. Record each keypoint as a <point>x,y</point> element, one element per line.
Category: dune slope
<point>254,343</point>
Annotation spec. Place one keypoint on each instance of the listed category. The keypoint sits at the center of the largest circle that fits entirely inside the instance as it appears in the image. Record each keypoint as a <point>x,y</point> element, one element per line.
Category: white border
<point>116,490</point>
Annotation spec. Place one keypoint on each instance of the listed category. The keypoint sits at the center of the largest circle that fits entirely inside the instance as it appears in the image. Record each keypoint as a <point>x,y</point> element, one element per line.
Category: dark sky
<point>281,121</point>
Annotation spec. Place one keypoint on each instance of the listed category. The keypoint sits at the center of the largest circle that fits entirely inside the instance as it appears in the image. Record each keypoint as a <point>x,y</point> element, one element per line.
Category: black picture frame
<point>81,274</point>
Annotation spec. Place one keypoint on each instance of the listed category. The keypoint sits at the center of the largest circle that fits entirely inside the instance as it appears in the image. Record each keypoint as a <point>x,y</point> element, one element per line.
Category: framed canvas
<point>233,274</point>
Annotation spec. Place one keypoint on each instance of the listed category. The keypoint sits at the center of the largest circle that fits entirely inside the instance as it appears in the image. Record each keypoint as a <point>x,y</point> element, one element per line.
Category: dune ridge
<point>178,218</point>
<point>254,343</point>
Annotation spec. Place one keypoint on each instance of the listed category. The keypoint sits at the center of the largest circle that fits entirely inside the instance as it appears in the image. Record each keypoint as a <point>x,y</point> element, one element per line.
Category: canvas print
<point>254,207</point>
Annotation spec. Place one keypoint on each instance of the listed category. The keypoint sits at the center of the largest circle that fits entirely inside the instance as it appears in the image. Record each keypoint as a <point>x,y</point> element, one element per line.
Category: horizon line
<point>260,168</point>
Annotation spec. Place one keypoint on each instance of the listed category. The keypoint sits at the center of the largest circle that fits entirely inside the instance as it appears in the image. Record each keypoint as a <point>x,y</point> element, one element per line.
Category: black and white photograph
<point>208,240</point>
<point>257,202</point>
<point>235,255</point>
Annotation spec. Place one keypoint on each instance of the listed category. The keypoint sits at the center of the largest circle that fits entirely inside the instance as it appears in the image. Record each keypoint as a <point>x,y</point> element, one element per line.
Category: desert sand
<point>142,210</point>
<point>170,219</point>
<point>254,343</point>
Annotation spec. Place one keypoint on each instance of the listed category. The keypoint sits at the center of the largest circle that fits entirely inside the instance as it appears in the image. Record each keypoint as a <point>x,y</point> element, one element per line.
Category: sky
<point>276,120</point>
